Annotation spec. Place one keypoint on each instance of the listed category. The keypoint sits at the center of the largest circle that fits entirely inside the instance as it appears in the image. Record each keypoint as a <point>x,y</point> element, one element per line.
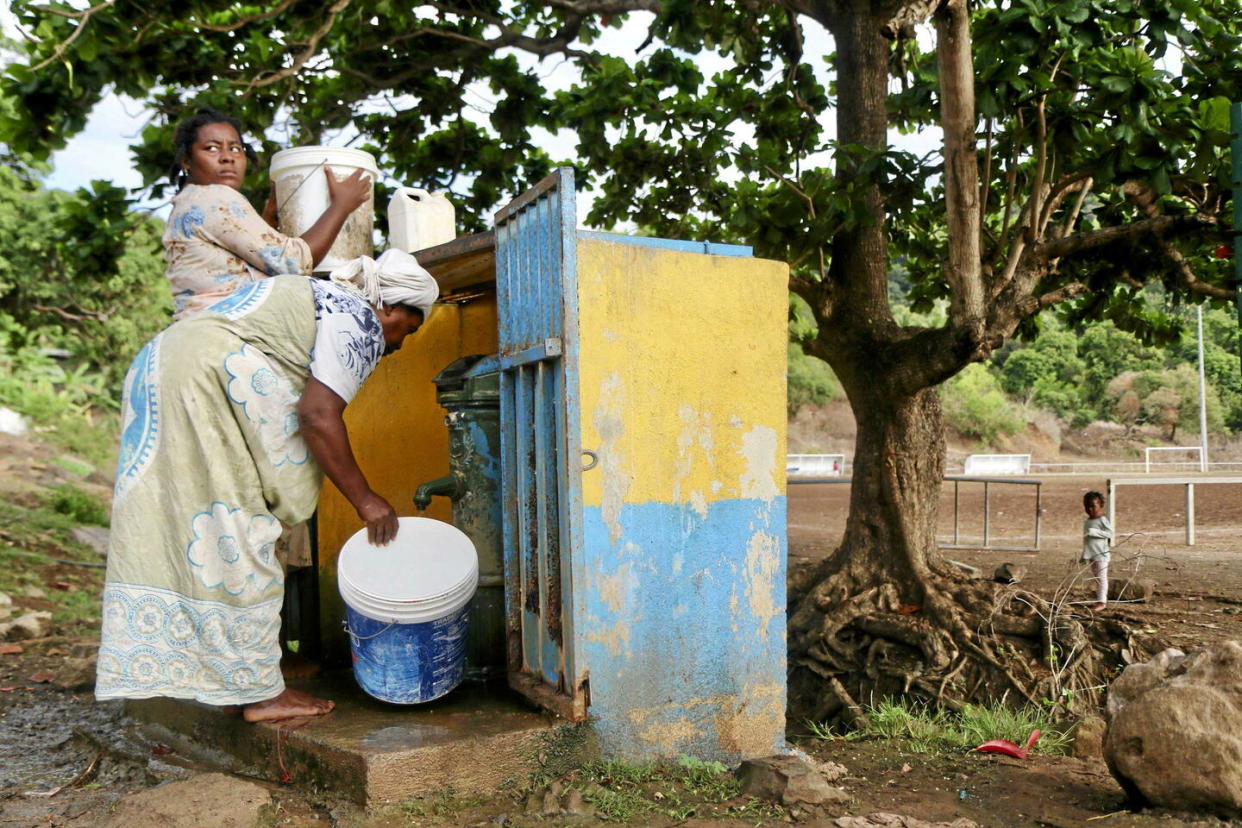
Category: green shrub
<point>76,504</point>
<point>975,406</point>
<point>811,381</point>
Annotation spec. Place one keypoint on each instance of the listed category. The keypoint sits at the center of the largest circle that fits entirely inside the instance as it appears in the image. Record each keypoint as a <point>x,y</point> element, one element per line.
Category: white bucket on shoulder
<point>406,609</point>
<point>302,196</point>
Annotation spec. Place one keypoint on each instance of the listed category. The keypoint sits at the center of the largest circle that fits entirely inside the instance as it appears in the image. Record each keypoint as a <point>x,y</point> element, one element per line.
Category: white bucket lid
<point>316,155</point>
<point>428,571</point>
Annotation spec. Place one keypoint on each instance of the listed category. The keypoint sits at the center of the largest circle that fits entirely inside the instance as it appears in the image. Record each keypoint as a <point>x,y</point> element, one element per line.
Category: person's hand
<point>269,209</point>
<point>350,192</point>
<point>380,518</point>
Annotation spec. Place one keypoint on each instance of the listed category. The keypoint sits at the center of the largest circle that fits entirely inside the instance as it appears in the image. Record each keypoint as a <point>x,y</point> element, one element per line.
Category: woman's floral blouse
<point>215,242</point>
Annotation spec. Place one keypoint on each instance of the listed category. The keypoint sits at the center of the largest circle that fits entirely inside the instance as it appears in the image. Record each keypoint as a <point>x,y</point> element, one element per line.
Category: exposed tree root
<point>967,642</point>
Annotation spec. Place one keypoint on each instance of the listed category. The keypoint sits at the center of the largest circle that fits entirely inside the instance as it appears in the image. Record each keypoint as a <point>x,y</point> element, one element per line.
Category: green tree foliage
<point>1078,166</point>
<point>80,272</point>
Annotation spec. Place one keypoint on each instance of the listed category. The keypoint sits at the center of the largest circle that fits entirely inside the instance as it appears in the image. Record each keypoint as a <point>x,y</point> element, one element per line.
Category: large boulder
<point>1175,730</point>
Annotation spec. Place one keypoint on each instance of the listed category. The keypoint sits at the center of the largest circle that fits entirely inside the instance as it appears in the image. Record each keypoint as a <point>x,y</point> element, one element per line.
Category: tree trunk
<point>890,535</point>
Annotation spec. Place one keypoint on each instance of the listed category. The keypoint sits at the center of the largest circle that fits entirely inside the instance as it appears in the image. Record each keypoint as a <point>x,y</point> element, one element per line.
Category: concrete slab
<point>479,737</point>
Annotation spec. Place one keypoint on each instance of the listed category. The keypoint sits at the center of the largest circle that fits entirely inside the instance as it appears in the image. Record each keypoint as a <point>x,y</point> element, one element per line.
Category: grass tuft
<point>922,730</point>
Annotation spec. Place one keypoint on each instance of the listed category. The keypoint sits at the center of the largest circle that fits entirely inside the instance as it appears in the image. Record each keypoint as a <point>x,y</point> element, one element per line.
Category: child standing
<point>1097,535</point>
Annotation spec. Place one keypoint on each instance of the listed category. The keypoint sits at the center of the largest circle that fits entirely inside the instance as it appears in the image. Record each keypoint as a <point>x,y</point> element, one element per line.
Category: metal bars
<point>536,293</point>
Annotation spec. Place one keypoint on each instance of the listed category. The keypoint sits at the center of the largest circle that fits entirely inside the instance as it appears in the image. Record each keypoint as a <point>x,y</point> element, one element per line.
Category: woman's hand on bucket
<point>380,518</point>
<point>350,192</point>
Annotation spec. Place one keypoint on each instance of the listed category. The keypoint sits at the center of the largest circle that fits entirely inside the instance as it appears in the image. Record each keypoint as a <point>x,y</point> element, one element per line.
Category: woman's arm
<point>345,195</point>
<point>320,414</point>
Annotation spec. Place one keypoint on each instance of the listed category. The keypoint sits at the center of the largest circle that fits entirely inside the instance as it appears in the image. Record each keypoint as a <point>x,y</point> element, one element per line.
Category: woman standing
<point>214,240</point>
<point>232,417</point>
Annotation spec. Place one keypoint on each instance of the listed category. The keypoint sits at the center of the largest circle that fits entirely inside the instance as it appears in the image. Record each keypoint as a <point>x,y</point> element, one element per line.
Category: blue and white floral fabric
<point>348,339</point>
<point>215,241</point>
<point>211,463</point>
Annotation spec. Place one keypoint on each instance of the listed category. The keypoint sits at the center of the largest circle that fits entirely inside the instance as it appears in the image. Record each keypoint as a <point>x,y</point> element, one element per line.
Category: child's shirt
<point>1097,534</point>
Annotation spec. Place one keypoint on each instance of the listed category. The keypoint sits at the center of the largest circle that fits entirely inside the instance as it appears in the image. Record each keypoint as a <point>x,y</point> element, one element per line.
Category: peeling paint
<point>699,503</point>
<point>759,447</point>
<point>763,562</point>
<point>610,423</point>
<point>746,729</point>
<point>670,737</point>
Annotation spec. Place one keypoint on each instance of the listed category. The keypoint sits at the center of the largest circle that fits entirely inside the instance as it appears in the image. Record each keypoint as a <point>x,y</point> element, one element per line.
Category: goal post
<point>1197,461</point>
<point>814,465</point>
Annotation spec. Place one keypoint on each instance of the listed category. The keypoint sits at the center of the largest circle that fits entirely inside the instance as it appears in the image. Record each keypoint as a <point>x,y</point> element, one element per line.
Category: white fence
<point>984,465</point>
<point>814,465</point>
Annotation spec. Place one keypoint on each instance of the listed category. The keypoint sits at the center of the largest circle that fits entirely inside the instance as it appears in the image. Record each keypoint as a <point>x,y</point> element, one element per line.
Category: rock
<point>6,608</point>
<point>575,805</point>
<point>1130,589</point>
<point>1137,679</point>
<point>1009,573</point>
<point>1175,730</point>
<point>215,798</point>
<point>832,771</point>
<point>551,805</point>
<point>1089,738</point>
<point>12,423</point>
<point>84,649</point>
<point>974,573</point>
<point>34,592</point>
<point>95,537</point>
<point>789,780</point>
<point>30,625</point>
<point>76,674</point>
<point>882,820</point>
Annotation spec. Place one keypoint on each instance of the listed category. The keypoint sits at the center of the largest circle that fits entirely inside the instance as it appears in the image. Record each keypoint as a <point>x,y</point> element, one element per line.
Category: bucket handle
<point>280,207</point>
<point>356,637</point>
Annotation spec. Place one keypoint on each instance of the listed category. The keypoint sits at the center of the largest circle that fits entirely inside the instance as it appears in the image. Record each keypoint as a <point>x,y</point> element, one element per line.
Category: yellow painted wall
<point>398,435</point>
<point>681,403</point>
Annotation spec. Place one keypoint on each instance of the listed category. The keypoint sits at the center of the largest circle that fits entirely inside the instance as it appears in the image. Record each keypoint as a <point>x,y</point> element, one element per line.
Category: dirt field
<point>1198,600</point>
<point>52,735</point>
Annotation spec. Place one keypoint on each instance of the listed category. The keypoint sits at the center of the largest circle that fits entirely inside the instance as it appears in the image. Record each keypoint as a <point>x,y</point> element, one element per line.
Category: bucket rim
<point>300,156</point>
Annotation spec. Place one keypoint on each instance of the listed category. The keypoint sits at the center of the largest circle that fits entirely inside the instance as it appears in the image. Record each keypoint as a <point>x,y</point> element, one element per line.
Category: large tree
<point>1082,157</point>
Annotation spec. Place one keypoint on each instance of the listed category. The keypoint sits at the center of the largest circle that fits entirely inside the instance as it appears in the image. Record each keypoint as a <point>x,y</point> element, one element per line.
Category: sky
<point>101,150</point>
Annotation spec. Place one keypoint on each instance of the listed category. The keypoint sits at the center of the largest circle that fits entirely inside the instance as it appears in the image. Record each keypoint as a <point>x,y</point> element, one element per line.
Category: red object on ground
<point>1224,251</point>
<point>1009,748</point>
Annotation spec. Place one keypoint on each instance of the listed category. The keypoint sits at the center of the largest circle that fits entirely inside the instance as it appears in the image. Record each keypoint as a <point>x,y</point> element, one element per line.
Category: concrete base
<point>475,738</point>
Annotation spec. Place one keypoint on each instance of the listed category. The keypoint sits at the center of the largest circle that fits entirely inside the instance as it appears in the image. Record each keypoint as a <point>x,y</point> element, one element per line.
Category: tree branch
<point>1078,242</point>
<point>63,46</point>
<point>312,45</point>
<point>246,21</point>
<point>961,164</point>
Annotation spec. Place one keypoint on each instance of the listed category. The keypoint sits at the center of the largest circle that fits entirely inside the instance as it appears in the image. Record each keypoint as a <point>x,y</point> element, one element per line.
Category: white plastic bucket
<point>419,219</point>
<point>302,196</point>
<point>406,609</point>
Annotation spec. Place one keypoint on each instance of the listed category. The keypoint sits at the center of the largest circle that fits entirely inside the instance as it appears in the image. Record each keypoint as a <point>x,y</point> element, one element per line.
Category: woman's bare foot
<point>1096,607</point>
<point>294,666</point>
<point>290,704</point>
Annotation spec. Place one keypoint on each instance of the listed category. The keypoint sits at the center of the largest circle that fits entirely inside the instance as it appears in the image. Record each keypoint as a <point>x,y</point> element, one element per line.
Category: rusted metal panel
<point>536,285</point>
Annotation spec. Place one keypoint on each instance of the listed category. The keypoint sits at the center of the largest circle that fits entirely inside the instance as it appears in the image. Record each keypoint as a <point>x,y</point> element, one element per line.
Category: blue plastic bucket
<point>405,609</point>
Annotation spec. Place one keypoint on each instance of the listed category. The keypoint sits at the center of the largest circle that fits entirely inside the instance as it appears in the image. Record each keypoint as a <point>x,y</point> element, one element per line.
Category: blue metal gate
<point>536,289</point>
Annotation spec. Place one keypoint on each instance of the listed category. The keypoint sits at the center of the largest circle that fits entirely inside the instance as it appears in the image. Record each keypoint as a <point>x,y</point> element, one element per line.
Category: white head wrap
<point>395,278</point>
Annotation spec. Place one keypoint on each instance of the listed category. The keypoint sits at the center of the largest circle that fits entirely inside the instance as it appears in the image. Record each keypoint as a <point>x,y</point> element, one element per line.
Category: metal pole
<point>1190,514</point>
<point>1039,511</point>
<point>957,510</point>
<point>1203,436</point>
<point>986,516</point>
<point>1112,513</point>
